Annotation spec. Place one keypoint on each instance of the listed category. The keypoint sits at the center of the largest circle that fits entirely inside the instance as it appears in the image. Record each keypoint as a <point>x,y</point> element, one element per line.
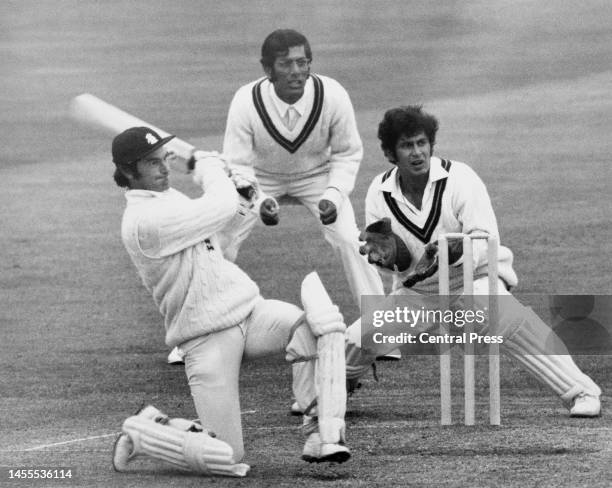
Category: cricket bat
<point>98,114</point>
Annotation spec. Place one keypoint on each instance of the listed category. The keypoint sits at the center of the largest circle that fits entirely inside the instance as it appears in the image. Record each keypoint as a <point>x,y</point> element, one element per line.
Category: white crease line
<point>280,428</point>
<point>83,439</point>
<point>55,444</point>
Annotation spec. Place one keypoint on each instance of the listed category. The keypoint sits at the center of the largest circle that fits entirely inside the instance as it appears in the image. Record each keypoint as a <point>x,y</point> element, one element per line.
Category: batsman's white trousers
<point>342,235</point>
<point>212,364</point>
<point>527,339</point>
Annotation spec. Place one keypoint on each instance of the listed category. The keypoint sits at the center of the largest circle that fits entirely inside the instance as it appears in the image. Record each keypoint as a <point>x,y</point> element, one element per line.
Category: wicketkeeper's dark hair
<point>278,43</point>
<point>407,120</point>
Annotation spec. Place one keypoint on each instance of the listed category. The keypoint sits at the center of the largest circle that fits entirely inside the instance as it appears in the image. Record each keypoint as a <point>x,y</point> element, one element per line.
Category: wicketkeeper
<point>213,312</point>
<point>422,197</point>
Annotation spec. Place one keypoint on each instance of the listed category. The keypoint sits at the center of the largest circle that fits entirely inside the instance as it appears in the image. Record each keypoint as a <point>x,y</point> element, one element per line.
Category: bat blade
<point>98,114</point>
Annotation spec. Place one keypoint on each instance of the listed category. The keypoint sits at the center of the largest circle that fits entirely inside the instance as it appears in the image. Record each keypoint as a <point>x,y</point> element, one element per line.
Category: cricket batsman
<point>213,312</point>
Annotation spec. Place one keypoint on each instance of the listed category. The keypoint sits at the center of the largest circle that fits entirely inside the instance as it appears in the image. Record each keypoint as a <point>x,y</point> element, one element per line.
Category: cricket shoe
<point>310,425</point>
<point>175,357</point>
<point>123,452</point>
<point>316,451</point>
<point>585,405</point>
<point>152,413</point>
<point>394,355</point>
<point>296,409</point>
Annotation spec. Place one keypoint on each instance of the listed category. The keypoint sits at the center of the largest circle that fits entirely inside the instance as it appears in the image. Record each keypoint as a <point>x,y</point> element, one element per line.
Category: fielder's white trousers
<point>342,235</point>
<point>213,361</point>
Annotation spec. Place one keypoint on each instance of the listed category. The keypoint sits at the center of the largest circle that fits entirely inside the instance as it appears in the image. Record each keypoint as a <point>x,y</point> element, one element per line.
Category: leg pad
<point>185,449</point>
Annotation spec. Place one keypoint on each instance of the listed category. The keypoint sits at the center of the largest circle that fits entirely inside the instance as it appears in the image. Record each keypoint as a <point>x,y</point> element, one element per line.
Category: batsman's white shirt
<point>455,200</point>
<point>324,140</point>
<point>172,240</point>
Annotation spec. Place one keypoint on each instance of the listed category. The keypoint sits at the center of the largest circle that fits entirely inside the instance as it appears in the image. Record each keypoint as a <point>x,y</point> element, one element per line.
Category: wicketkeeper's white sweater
<point>171,240</point>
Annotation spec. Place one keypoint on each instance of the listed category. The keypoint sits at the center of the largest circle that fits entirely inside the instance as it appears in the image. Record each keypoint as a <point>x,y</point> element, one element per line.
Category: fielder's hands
<point>383,247</point>
<point>268,211</point>
<point>328,213</point>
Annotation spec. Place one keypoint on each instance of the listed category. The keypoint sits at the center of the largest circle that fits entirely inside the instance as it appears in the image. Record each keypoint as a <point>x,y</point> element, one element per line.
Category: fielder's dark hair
<point>407,120</point>
<point>119,174</point>
<point>278,43</point>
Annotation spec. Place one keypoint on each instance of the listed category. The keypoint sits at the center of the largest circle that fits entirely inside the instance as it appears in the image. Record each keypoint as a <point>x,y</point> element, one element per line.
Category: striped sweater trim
<point>313,118</point>
<point>422,233</point>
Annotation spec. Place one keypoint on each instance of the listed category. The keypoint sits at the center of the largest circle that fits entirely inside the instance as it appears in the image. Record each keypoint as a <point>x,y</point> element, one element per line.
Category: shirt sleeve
<point>345,142</point>
<point>373,211</point>
<point>474,211</point>
<point>178,224</point>
<point>238,140</point>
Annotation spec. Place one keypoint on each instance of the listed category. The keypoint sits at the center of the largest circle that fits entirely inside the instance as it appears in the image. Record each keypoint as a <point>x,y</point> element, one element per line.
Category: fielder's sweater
<point>325,138</point>
<point>171,240</point>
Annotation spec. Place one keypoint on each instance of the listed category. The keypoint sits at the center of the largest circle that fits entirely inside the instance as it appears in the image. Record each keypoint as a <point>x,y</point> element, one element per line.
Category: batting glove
<point>199,155</point>
<point>245,185</point>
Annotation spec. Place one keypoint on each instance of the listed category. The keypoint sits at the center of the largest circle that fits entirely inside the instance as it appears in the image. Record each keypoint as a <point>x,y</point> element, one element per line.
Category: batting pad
<point>532,345</point>
<point>330,387</point>
<point>330,375</point>
<point>191,451</point>
<point>322,315</point>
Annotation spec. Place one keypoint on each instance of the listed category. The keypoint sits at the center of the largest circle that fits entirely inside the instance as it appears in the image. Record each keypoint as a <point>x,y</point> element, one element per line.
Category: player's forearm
<point>342,175</point>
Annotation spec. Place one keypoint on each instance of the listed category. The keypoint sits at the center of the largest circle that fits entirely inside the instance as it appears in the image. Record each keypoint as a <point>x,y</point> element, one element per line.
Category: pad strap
<point>326,321</point>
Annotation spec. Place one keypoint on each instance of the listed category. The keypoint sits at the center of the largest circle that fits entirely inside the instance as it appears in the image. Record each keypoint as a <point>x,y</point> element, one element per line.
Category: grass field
<point>524,95</point>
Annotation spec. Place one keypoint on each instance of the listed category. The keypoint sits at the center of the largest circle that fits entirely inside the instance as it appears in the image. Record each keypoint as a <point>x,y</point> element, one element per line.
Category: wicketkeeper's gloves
<point>383,247</point>
<point>428,264</point>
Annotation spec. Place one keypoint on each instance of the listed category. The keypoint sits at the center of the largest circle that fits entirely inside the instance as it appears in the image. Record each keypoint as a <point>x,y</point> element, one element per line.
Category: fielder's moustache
<point>136,143</point>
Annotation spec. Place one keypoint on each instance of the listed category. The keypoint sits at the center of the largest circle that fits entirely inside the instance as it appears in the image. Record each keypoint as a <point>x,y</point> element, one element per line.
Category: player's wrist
<point>334,195</point>
<point>206,168</point>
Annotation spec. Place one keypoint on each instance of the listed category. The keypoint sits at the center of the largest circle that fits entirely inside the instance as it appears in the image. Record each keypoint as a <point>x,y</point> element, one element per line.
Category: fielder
<point>422,197</point>
<point>295,132</point>
<point>213,312</point>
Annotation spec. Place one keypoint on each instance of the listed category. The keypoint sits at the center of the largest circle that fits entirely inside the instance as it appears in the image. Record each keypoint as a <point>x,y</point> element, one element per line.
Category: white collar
<point>300,106</point>
<point>436,172</point>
